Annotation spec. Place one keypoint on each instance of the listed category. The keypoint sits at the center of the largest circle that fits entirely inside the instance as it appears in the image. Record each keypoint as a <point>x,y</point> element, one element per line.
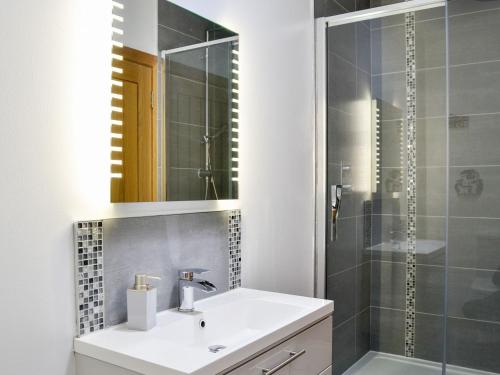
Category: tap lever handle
<point>187,274</point>
<point>195,271</point>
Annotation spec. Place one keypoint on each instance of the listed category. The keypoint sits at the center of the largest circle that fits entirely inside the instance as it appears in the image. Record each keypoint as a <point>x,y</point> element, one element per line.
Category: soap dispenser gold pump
<point>141,304</point>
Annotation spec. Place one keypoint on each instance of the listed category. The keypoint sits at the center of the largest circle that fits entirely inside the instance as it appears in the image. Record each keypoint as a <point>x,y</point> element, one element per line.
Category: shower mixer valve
<point>204,173</point>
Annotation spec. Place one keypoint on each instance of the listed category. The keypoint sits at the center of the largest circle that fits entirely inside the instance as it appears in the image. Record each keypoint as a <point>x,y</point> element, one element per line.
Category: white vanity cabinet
<point>307,353</point>
<point>244,332</point>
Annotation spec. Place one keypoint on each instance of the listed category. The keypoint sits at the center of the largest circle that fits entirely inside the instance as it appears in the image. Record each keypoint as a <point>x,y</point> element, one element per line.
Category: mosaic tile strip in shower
<point>89,276</point>
<point>411,116</point>
<point>234,249</point>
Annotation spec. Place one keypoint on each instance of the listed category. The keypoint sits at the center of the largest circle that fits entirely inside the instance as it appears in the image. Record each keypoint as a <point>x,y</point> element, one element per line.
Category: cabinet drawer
<point>308,353</point>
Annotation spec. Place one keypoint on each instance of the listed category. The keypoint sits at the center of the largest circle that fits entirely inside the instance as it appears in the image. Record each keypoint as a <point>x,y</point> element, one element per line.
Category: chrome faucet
<point>187,284</point>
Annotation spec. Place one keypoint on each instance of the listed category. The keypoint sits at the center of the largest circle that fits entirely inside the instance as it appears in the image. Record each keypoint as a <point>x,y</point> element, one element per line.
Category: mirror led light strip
<point>117,91</point>
<point>235,112</point>
<point>376,151</point>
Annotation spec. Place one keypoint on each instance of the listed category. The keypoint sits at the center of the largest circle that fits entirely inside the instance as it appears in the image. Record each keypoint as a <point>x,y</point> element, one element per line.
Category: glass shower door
<point>199,143</point>
<point>473,334</point>
<point>387,193</point>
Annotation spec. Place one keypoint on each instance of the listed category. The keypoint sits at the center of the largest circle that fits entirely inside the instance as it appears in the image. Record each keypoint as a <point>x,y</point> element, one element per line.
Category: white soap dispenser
<point>141,304</point>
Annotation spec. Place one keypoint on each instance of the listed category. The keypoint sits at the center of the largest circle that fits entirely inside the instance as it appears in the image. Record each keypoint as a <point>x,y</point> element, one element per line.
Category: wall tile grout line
<point>356,315</point>
<point>452,66</point>
<point>181,32</point>
<point>429,314</point>
<point>347,269</point>
<point>348,62</point>
<point>475,217</point>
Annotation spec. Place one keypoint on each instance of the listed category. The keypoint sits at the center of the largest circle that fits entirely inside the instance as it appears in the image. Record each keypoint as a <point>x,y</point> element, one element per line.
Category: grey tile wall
<point>109,253</point>
<point>430,290</point>
<point>474,344</point>
<point>387,330</point>
<point>475,243</point>
<point>362,291</point>
<point>388,285</point>
<point>429,338</point>
<point>362,333</point>
<point>342,252</point>
<point>344,346</point>
<point>161,246</point>
<point>341,288</point>
<point>457,7</point>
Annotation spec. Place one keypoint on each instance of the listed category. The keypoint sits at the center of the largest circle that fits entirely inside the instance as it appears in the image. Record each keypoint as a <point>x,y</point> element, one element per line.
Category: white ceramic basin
<point>245,321</point>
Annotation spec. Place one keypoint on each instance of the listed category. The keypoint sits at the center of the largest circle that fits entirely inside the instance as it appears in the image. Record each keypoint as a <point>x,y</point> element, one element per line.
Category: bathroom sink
<point>235,325</point>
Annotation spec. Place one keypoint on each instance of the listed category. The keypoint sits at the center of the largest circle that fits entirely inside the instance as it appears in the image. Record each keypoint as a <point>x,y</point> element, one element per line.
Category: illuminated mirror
<point>174,107</point>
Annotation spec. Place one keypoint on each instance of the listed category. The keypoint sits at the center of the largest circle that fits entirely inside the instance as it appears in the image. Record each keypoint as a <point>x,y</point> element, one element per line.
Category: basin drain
<point>216,348</point>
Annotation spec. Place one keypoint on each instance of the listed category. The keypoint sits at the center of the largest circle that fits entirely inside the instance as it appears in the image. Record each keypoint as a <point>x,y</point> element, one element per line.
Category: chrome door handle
<point>336,197</point>
<point>293,357</point>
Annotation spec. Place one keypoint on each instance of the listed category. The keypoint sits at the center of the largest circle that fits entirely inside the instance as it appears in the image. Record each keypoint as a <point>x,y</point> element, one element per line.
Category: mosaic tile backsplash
<point>109,252</point>
<point>234,249</point>
<point>89,276</point>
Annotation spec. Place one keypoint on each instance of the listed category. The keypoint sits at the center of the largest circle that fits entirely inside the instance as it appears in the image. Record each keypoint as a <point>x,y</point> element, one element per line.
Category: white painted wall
<point>54,102</point>
<point>141,25</point>
<point>277,137</point>
<point>54,106</point>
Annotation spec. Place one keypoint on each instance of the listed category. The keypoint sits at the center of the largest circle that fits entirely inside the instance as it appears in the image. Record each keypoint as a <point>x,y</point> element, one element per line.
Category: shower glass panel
<point>200,124</point>
<point>387,191</point>
<point>473,338</point>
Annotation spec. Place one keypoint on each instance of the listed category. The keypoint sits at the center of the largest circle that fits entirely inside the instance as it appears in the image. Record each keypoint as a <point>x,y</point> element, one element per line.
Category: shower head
<point>207,138</point>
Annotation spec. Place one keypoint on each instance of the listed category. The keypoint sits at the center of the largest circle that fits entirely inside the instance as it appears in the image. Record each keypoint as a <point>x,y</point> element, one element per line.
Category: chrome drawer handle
<point>293,357</point>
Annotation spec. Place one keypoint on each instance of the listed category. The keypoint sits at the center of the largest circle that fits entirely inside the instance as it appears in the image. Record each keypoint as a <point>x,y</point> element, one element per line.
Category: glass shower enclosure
<point>408,235</point>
